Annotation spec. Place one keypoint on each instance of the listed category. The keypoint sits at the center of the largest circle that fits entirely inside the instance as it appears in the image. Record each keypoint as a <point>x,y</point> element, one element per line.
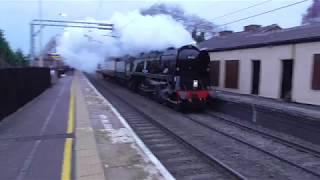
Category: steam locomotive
<point>179,77</point>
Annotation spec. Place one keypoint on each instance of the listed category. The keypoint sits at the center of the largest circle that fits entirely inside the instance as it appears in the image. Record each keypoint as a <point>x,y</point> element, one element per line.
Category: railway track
<point>310,158</point>
<point>200,150</point>
<point>180,157</point>
<point>288,143</point>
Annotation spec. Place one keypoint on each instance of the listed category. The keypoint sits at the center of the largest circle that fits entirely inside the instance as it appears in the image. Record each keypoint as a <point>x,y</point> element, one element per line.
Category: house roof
<point>244,40</point>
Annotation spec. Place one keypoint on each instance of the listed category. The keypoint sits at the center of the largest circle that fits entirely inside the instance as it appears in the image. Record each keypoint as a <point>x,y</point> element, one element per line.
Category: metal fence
<point>20,85</point>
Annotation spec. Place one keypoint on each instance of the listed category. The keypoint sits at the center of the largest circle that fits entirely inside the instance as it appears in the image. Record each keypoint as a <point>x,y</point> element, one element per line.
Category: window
<point>316,72</point>
<point>214,72</point>
<point>232,74</point>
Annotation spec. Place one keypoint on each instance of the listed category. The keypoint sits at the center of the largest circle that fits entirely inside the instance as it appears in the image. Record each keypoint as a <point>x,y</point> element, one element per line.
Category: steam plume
<point>133,33</point>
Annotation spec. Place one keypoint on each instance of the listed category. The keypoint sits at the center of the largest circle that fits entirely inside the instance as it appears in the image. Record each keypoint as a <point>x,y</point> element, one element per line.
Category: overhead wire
<point>231,13</point>
<point>265,12</point>
<point>240,10</point>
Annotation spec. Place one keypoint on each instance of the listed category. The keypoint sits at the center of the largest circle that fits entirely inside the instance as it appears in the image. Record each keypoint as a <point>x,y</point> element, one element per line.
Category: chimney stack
<point>251,28</point>
<point>225,33</point>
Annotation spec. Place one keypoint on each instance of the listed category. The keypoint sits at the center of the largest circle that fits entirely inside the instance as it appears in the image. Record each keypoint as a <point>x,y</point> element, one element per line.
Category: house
<point>268,61</point>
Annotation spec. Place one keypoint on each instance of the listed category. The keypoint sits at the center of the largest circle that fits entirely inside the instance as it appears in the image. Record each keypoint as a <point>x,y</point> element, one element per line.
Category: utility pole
<point>32,44</point>
<point>40,36</point>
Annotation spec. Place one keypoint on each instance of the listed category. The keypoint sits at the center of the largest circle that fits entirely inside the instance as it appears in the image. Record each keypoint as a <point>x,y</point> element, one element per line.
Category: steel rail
<point>252,146</point>
<point>273,137</point>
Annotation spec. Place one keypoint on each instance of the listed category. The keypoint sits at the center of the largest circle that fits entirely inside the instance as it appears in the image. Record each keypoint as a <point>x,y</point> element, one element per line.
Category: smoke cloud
<point>133,33</point>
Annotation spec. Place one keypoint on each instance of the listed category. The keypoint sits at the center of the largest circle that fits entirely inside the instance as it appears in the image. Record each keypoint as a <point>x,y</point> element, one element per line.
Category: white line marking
<point>165,173</point>
<point>52,110</point>
<point>28,161</point>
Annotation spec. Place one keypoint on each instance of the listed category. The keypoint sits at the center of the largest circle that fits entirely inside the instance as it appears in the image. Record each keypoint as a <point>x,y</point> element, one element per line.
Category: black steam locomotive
<point>179,77</point>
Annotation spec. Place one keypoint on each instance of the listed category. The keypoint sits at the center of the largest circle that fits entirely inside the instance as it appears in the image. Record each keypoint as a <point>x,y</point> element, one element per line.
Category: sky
<point>15,15</point>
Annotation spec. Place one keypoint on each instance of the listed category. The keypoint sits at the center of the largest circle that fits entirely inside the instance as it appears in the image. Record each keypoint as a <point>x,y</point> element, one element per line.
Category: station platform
<point>300,121</point>
<point>312,111</point>
<point>71,132</point>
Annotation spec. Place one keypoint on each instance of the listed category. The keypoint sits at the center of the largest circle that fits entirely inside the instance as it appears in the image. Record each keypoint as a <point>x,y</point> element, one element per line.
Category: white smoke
<point>133,33</point>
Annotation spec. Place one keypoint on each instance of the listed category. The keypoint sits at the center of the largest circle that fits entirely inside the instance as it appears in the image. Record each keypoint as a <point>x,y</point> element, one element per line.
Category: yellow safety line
<point>67,155</point>
<point>66,166</point>
<point>71,112</point>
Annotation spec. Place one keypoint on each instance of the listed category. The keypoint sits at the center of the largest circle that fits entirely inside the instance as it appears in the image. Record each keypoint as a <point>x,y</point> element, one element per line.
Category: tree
<point>201,37</point>
<point>196,36</point>
<point>190,22</point>
<point>20,59</point>
<point>8,55</point>
<point>5,50</point>
<point>313,13</point>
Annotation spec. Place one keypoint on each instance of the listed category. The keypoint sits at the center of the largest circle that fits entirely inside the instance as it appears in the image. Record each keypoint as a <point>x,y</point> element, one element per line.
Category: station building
<point>268,61</point>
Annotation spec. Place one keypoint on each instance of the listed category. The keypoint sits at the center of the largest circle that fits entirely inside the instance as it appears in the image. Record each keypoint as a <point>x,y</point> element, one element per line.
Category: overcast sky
<point>15,15</point>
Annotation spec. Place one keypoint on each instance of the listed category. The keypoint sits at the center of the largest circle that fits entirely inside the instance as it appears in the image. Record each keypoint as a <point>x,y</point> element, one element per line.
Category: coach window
<point>316,72</point>
<point>214,73</point>
<point>232,74</point>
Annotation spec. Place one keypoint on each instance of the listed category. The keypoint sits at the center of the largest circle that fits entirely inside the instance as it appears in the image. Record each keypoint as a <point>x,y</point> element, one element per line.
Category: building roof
<point>244,40</point>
